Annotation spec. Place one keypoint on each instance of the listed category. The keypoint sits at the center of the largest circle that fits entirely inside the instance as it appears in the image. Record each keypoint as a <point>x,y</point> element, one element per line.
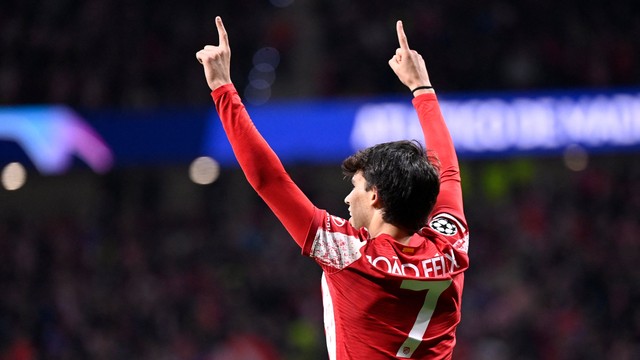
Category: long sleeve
<point>438,140</point>
<point>262,167</point>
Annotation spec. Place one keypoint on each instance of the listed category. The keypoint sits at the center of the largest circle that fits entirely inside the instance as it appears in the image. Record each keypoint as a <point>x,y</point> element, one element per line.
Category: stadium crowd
<point>102,53</point>
<point>165,269</point>
<point>139,265</point>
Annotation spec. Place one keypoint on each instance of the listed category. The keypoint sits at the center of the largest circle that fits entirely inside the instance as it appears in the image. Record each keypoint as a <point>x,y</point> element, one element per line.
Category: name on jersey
<point>437,266</point>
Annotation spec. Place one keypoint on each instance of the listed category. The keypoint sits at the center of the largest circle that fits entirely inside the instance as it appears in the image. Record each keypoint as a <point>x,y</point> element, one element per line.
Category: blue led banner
<point>514,125</point>
<point>52,137</point>
<point>480,126</point>
<point>322,131</point>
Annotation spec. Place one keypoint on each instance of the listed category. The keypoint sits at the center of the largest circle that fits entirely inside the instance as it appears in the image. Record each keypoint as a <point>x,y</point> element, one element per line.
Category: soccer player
<point>394,272</point>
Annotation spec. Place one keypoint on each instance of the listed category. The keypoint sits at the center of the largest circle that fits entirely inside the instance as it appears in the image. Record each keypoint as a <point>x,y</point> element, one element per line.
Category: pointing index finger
<point>402,38</point>
<point>222,33</point>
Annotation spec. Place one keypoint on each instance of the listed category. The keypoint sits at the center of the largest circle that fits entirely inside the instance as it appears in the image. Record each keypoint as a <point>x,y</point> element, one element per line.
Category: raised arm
<point>410,68</point>
<point>260,164</point>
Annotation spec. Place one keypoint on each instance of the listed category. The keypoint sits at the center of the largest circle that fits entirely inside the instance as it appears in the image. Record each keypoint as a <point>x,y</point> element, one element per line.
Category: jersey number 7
<point>434,289</point>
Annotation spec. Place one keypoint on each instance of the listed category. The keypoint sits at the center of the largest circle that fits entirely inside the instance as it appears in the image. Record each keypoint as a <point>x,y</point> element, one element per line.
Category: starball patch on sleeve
<point>444,226</point>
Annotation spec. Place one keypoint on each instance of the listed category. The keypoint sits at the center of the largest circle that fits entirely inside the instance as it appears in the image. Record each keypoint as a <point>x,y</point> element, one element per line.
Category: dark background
<point>98,53</point>
<point>140,263</point>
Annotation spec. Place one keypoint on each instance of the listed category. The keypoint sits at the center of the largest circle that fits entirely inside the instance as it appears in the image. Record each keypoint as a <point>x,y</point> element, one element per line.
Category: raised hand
<point>408,64</point>
<point>216,60</point>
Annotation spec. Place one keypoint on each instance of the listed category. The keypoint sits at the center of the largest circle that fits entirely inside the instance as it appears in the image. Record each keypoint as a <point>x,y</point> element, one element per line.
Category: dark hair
<point>406,179</point>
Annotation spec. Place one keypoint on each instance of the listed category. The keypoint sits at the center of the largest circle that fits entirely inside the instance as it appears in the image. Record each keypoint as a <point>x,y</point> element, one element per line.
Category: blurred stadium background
<point>119,240</point>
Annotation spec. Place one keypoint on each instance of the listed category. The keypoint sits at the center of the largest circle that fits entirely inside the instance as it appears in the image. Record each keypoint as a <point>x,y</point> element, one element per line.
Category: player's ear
<point>374,198</point>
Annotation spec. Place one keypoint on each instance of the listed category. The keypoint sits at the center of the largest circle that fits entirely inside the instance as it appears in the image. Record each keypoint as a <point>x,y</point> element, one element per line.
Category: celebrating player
<point>394,272</point>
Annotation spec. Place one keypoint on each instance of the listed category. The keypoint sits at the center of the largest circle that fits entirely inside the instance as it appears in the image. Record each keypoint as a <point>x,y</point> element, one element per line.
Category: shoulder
<point>447,224</point>
<point>449,228</point>
<point>334,242</point>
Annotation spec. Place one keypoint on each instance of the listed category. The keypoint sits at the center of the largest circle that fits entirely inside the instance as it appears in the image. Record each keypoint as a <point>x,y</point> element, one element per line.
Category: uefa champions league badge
<point>444,226</point>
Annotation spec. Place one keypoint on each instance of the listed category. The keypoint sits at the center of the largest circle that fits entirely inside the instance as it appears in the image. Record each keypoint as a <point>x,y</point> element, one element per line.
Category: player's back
<point>395,300</point>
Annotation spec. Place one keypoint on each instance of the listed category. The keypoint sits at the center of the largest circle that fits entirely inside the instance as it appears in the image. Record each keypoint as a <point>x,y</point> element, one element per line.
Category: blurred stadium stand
<point>139,262</point>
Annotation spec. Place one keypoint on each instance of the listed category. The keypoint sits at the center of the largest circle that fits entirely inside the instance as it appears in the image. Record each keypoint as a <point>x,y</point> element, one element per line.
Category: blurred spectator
<point>118,272</point>
<point>101,53</point>
<point>160,269</point>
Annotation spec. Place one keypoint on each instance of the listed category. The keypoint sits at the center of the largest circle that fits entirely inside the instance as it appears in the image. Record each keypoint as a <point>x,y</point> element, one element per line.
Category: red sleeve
<point>261,165</point>
<point>438,140</point>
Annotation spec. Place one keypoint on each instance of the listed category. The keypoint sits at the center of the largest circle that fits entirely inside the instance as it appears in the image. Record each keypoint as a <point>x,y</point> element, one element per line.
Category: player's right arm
<point>260,164</point>
<point>410,68</point>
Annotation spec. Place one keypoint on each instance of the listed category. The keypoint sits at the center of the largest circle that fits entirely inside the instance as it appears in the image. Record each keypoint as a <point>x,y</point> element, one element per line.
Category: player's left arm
<point>410,68</point>
<point>438,140</point>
